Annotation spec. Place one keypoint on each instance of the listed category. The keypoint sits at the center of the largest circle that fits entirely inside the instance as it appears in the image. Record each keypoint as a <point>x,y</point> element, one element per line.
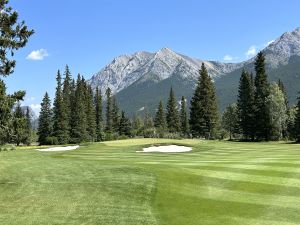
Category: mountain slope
<point>140,67</point>
<point>140,80</point>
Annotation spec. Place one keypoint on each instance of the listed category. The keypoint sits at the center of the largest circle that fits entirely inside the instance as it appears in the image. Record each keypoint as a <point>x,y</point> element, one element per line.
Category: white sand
<point>57,149</point>
<point>167,149</point>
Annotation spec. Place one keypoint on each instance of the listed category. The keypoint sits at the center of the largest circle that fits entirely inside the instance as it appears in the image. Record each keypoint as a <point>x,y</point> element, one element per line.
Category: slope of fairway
<point>110,183</point>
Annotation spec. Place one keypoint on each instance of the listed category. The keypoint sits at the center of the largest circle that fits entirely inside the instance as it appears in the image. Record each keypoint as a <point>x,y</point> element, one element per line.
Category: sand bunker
<point>167,149</point>
<point>57,149</point>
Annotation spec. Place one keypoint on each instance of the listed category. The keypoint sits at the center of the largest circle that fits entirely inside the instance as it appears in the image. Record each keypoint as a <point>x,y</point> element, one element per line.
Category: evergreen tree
<point>19,126</point>
<point>204,111</point>
<point>261,115</point>
<point>66,95</point>
<point>60,119</point>
<point>28,127</point>
<point>184,122</point>
<point>14,35</point>
<point>230,120</point>
<point>160,118</point>
<point>246,106</point>
<point>297,122</point>
<point>99,118</point>
<point>124,126</point>
<point>45,120</point>
<point>6,112</point>
<point>79,120</point>
<point>172,116</point>
<point>109,118</point>
<point>115,115</point>
<point>91,114</point>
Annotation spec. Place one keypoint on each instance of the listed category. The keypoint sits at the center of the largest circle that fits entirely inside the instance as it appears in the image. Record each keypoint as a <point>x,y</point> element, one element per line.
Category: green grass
<point>228,183</point>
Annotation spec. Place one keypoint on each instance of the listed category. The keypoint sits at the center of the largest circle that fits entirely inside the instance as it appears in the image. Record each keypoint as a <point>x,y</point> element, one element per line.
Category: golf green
<point>218,182</point>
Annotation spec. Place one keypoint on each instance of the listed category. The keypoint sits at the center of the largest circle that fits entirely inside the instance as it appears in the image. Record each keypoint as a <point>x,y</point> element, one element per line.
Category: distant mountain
<point>142,67</point>
<point>141,79</point>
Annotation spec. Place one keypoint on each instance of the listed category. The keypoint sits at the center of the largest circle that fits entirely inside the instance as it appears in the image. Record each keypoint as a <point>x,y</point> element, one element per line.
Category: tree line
<point>261,113</point>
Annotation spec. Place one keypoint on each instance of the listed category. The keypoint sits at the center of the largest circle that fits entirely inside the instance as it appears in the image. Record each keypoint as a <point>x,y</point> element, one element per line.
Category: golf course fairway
<point>109,183</point>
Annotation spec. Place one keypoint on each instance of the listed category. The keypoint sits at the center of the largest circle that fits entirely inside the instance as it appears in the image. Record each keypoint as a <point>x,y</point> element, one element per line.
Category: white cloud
<point>38,54</point>
<point>227,58</point>
<point>36,108</point>
<point>251,51</point>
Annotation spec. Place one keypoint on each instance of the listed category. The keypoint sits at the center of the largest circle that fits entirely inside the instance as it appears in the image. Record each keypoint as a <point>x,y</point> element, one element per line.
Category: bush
<point>51,141</point>
<point>7,147</point>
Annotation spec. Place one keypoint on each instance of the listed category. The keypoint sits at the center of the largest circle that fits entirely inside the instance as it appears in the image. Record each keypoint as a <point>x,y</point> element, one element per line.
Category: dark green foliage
<point>98,114</point>
<point>184,122</point>
<point>262,118</point>
<point>79,120</point>
<point>60,117</point>
<point>109,122</point>
<point>19,126</point>
<point>115,114</point>
<point>297,122</point>
<point>148,121</point>
<point>172,116</point>
<point>91,115</point>
<point>230,120</point>
<point>160,118</point>
<point>13,36</point>
<point>137,126</point>
<point>28,128</point>
<point>124,125</point>
<point>204,110</point>
<point>246,106</point>
<point>45,120</point>
<point>6,112</point>
<point>67,94</point>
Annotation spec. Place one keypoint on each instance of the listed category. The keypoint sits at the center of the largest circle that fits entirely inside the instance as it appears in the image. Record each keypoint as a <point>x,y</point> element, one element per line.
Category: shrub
<point>51,141</point>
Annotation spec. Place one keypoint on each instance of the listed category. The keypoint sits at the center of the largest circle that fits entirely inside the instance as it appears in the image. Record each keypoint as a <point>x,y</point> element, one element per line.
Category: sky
<point>88,34</point>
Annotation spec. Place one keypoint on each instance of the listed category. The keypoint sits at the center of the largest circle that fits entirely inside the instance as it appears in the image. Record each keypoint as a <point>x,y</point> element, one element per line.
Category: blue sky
<point>88,34</point>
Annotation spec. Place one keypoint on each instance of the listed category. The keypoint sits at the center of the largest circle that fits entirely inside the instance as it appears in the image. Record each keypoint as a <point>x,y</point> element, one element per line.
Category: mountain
<point>142,67</point>
<point>33,116</point>
<point>141,79</point>
<point>282,62</point>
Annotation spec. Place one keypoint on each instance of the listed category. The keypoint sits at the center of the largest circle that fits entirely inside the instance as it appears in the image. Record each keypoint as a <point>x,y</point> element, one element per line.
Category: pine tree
<point>109,122</point>
<point>124,125</point>
<point>28,127</point>
<point>282,88</point>
<point>184,122</point>
<point>91,114</point>
<point>79,120</point>
<point>14,35</point>
<point>204,111</point>
<point>66,95</point>
<point>172,116</point>
<point>115,114</point>
<point>262,118</point>
<point>148,121</point>
<point>60,119</point>
<point>99,117</point>
<point>45,120</point>
<point>245,106</point>
<point>19,126</point>
<point>160,118</point>
<point>297,122</point>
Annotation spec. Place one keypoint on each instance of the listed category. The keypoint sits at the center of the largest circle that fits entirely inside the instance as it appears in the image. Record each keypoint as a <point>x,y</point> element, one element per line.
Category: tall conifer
<point>160,118</point>
<point>184,122</point>
<point>45,120</point>
<point>204,116</point>
<point>262,117</point>
<point>172,116</point>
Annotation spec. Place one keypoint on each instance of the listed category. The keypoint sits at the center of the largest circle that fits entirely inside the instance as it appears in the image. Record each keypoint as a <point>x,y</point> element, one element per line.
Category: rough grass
<point>107,183</point>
